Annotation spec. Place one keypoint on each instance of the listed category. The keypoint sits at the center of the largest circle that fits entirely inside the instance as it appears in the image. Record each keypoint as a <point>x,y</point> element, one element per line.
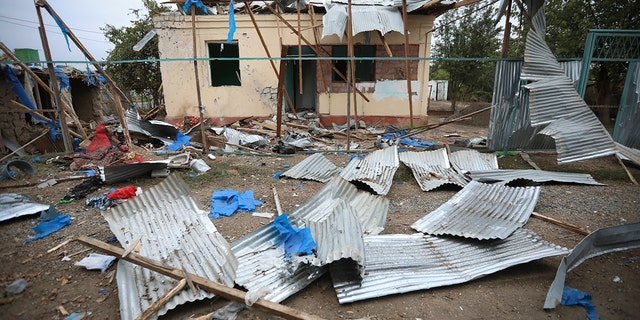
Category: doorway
<point>305,101</point>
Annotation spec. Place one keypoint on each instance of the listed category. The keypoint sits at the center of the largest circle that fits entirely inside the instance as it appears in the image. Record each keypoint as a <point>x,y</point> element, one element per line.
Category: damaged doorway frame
<point>304,96</point>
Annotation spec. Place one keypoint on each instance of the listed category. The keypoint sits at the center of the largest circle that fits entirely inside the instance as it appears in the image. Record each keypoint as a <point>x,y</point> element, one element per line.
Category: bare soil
<point>515,293</point>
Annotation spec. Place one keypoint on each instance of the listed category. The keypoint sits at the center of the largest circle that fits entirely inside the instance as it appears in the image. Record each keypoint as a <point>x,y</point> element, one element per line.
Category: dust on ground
<point>517,292</point>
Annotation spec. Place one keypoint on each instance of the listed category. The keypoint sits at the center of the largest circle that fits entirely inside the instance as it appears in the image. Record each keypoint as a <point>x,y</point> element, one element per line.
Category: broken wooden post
<point>277,200</point>
<point>385,44</point>
<point>205,284</point>
<point>66,138</point>
<point>563,224</point>
<point>205,147</point>
<point>407,62</point>
<point>146,314</point>
<point>283,52</point>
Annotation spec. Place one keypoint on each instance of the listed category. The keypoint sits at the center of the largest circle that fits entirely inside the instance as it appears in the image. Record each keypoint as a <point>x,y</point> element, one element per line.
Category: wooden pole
<point>340,74</point>
<point>352,63</point>
<point>385,44</point>
<point>266,49</point>
<point>283,53</point>
<point>25,145</point>
<point>66,138</point>
<point>633,180</point>
<point>563,224</point>
<point>46,88</point>
<point>146,314</point>
<point>316,37</point>
<point>205,284</point>
<point>299,49</point>
<point>72,36</point>
<point>277,200</point>
<point>407,62</point>
<point>507,32</point>
<point>205,147</point>
<point>27,109</point>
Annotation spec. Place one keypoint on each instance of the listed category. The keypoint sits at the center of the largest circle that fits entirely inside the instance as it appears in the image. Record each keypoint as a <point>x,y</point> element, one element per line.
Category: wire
<point>49,24</point>
<point>53,31</point>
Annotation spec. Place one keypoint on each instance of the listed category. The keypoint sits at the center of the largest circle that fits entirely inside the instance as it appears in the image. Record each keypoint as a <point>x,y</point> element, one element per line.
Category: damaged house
<point>309,50</point>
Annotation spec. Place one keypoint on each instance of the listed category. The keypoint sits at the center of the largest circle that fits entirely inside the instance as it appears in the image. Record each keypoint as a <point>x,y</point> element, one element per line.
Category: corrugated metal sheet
<point>376,170</point>
<point>627,129</point>
<point>171,228</point>
<point>539,61</point>
<point>240,138</point>
<point>365,18</point>
<point>261,260</point>
<point>431,169</point>
<point>481,211</point>
<point>404,263</point>
<point>471,160</point>
<point>599,242</point>
<point>315,167</point>
<point>13,205</point>
<point>160,130</point>
<point>506,176</point>
<point>122,172</point>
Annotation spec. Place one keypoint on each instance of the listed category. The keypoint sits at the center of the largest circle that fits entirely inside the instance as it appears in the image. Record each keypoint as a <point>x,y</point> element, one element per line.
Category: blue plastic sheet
<point>232,23</point>
<point>63,29</point>
<point>417,143</point>
<point>94,79</point>
<point>227,202</point>
<point>197,3</point>
<point>63,78</point>
<point>48,227</point>
<point>572,297</point>
<point>181,139</point>
<point>297,241</point>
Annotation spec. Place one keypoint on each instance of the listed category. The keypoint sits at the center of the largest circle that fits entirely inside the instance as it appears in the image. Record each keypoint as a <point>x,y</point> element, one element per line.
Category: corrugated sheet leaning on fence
<point>403,263</point>
<point>376,170</point>
<point>506,176</point>
<point>171,228</point>
<point>261,260</point>
<point>481,211</point>
<point>431,169</point>
<point>627,129</point>
<point>599,242</point>
<point>315,167</point>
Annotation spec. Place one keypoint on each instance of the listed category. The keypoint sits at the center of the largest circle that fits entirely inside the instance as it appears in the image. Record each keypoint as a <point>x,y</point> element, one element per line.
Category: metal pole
<point>66,138</point>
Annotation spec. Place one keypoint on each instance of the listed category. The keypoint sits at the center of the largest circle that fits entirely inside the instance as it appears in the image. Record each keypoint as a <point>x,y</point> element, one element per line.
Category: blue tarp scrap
<point>232,22</point>
<point>62,28</point>
<point>227,202</point>
<point>197,3</point>
<point>409,141</point>
<point>46,228</point>
<point>572,297</point>
<point>23,97</point>
<point>94,79</point>
<point>356,156</point>
<point>63,79</point>
<point>181,139</point>
<point>296,241</point>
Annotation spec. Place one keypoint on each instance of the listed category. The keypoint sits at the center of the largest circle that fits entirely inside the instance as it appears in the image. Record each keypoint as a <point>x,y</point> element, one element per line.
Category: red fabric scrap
<point>122,193</point>
<point>100,140</point>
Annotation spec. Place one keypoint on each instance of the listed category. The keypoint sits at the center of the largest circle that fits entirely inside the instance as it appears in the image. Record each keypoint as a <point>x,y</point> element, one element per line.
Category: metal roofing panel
<point>431,169</point>
<point>315,167</point>
<point>403,263</point>
<point>122,172</point>
<point>481,211</point>
<point>365,18</point>
<point>13,205</point>
<point>160,130</point>
<point>627,128</point>
<point>539,61</point>
<point>599,242</point>
<point>171,228</point>
<point>261,260</point>
<point>471,160</point>
<point>376,170</point>
<point>506,176</point>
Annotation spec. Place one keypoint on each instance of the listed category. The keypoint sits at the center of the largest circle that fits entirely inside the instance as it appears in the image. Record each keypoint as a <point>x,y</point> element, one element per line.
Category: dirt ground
<point>514,293</point>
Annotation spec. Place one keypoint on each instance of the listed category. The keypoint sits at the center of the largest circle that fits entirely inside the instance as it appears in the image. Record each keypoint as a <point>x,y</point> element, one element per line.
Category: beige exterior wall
<point>253,97</point>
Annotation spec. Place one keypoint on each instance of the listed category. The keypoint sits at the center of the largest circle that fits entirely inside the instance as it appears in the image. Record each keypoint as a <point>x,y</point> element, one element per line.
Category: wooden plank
<point>205,284</point>
<point>25,145</point>
<point>146,314</point>
<point>277,200</point>
<point>563,224</point>
<point>633,180</point>
<point>385,44</point>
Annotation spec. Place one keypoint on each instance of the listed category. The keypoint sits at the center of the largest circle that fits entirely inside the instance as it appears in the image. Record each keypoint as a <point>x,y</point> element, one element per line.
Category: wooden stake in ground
<point>204,284</point>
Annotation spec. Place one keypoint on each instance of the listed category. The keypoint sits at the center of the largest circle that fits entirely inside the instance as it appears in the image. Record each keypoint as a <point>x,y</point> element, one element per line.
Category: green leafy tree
<point>141,79</point>
<point>569,21</point>
<point>469,32</point>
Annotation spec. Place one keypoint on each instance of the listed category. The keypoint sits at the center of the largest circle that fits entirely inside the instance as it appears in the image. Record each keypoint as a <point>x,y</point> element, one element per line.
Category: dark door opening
<point>305,101</point>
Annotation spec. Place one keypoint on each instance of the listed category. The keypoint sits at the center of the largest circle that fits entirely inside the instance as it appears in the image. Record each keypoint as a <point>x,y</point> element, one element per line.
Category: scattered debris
<point>16,287</point>
<point>572,297</point>
<point>46,228</point>
<point>96,261</point>
<point>227,202</point>
<point>8,170</point>
<point>13,205</point>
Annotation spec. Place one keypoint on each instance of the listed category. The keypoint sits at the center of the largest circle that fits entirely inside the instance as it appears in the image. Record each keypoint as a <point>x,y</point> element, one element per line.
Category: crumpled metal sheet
<point>627,128</point>
<point>421,262</point>
<point>376,170</point>
<point>122,172</point>
<point>481,211</point>
<point>13,205</point>
<point>160,130</point>
<point>599,242</point>
<point>365,18</point>
<point>506,176</point>
<point>431,169</point>
<point>315,167</point>
<point>173,229</point>
<point>465,161</point>
<point>240,138</point>
<point>261,259</point>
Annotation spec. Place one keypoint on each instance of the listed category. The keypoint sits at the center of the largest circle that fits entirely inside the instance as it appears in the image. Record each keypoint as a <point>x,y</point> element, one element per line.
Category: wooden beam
<point>25,145</point>
<point>27,109</point>
<point>407,63</point>
<point>204,283</point>
<point>146,314</point>
<point>340,74</point>
<point>283,53</point>
<point>316,37</point>
<point>205,147</point>
<point>563,224</point>
<point>385,44</point>
<point>633,180</point>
